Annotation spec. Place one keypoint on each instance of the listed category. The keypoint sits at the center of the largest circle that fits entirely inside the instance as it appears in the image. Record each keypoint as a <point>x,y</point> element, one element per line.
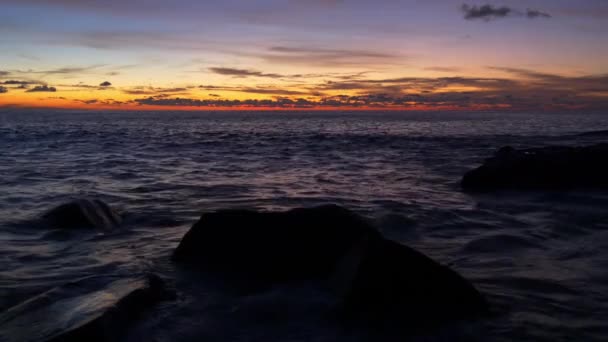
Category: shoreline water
<point>539,255</point>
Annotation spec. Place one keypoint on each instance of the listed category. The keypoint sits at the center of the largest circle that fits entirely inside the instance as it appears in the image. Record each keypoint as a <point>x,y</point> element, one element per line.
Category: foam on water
<point>540,257</point>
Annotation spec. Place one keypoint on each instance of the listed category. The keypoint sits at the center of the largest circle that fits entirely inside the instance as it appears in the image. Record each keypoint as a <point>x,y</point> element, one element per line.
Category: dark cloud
<point>4,73</point>
<point>257,90</point>
<point>490,12</point>
<point>521,88</point>
<point>278,102</point>
<point>105,84</point>
<point>71,71</point>
<point>153,91</point>
<point>529,88</point>
<point>532,13</point>
<point>574,84</point>
<point>528,73</point>
<point>42,88</point>
<point>65,70</point>
<point>107,102</point>
<point>213,87</point>
<point>243,72</point>
<point>80,85</point>
<point>139,92</point>
<point>485,12</point>
<point>379,100</point>
<point>91,101</point>
<point>3,90</point>
<point>399,85</point>
<point>86,86</point>
<point>19,82</point>
<point>271,91</point>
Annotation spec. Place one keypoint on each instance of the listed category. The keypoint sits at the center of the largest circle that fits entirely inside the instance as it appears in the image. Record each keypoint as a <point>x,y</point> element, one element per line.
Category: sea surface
<point>540,257</point>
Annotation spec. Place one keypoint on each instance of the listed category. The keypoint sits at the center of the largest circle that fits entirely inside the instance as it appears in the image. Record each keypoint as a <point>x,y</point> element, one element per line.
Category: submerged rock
<point>90,309</point>
<point>371,276</point>
<point>554,167</point>
<point>82,213</point>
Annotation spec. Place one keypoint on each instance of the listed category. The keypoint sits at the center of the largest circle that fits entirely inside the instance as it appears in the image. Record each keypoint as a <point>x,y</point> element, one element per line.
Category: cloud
<point>520,89</point>
<point>443,69</point>
<point>70,71</point>
<point>485,12</point>
<point>153,91</point>
<point>19,82</point>
<point>3,90</point>
<point>66,70</point>
<point>42,88</point>
<point>528,73</point>
<point>4,73</point>
<point>243,72</point>
<point>271,91</point>
<point>278,102</point>
<point>257,90</point>
<point>325,57</point>
<point>490,12</point>
<point>380,100</point>
<point>91,101</point>
<point>106,102</point>
<point>105,84</point>
<point>532,13</point>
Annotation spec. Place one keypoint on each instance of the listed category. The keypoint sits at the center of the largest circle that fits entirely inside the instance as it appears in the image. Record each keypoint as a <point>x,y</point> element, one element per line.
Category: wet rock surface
<point>82,213</point>
<point>98,308</point>
<point>272,246</point>
<point>371,277</point>
<point>546,168</point>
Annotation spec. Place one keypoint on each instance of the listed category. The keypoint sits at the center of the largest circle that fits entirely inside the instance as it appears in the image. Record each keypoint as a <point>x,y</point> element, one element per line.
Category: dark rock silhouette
<point>554,167</point>
<point>82,213</point>
<point>97,308</point>
<point>277,246</point>
<point>371,276</point>
<point>380,279</point>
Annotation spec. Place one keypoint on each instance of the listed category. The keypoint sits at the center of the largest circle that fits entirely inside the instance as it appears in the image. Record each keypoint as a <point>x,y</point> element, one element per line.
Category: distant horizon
<point>512,55</point>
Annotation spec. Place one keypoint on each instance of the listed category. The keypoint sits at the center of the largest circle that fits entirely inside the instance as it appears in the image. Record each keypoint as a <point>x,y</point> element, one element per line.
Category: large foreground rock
<point>371,276</point>
<point>83,213</point>
<point>91,309</point>
<point>556,167</point>
<point>272,246</point>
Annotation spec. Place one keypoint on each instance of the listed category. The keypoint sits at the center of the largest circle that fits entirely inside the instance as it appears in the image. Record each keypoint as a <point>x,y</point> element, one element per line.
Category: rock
<point>83,213</point>
<point>371,276</point>
<point>97,308</point>
<point>272,247</point>
<point>552,168</point>
<point>380,279</point>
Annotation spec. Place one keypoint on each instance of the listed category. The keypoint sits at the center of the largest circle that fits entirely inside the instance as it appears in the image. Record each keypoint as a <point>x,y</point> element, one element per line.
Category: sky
<point>304,54</point>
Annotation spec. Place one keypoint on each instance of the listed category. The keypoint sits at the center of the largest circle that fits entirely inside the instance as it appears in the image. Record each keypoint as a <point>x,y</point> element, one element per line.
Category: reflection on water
<point>540,257</point>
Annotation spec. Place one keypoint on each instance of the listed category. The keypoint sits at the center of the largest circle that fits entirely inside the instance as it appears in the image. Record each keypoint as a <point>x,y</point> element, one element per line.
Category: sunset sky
<point>312,54</point>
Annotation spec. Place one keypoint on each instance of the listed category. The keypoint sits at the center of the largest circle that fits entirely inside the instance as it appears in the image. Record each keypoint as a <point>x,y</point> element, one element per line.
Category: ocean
<point>539,257</point>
